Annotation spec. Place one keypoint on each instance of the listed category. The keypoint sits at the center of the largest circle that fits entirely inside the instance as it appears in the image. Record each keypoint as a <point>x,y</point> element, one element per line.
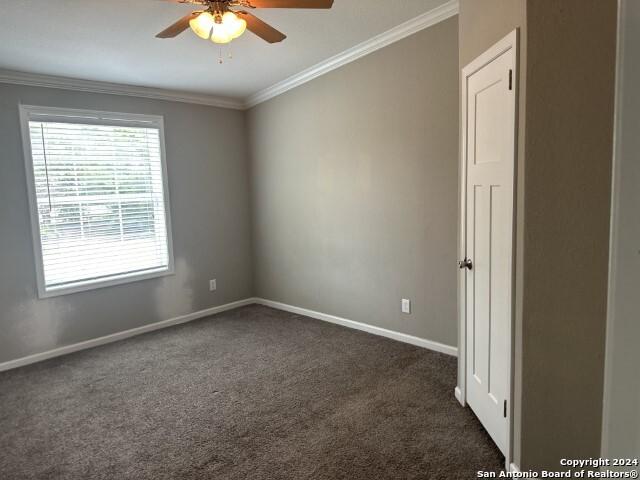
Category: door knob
<point>466,263</point>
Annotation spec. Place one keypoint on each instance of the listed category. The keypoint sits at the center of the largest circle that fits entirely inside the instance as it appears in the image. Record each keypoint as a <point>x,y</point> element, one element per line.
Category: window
<point>99,200</point>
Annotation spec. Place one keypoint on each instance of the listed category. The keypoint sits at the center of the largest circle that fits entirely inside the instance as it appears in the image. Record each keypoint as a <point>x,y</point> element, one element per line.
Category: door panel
<point>490,133</point>
<point>490,109</point>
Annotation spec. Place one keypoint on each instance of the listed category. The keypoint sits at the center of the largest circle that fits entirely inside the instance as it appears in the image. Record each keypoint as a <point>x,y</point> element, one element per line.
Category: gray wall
<point>208,183</point>
<point>564,163</point>
<point>355,188</point>
<point>483,23</point>
<point>622,387</point>
<point>568,156</point>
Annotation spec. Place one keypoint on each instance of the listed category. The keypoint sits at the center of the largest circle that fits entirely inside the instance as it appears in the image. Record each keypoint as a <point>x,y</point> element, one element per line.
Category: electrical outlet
<point>212,285</point>
<point>406,305</point>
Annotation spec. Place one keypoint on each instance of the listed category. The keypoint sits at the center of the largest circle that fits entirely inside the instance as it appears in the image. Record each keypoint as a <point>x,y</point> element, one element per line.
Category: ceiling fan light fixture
<point>236,22</point>
<point>202,25</point>
<point>235,26</point>
<point>220,34</point>
<point>228,18</point>
<point>239,27</point>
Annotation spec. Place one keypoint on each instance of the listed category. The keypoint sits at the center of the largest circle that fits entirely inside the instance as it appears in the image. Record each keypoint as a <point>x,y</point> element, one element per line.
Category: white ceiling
<point>114,41</point>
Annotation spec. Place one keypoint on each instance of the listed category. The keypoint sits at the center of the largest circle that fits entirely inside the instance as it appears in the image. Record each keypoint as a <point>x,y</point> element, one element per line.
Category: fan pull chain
<point>221,56</point>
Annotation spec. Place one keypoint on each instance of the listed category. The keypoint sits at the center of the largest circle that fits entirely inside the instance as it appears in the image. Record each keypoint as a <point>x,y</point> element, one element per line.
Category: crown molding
<point>65,83</point>
<point>393,35</point>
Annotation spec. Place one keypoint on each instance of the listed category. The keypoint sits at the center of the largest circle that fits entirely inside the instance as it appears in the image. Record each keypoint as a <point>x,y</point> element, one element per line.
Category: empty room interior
<point>319,239</point>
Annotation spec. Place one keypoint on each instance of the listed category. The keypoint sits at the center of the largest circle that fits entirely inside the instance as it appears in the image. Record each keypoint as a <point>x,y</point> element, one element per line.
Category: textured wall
<point>208,183</point>
<point>483,23</point>
<point>568,156</point>
<point>355,188</point>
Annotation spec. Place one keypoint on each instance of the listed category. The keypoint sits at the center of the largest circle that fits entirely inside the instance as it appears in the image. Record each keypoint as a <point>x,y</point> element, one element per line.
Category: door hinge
<point>510,79</point>
<point>505,409</point>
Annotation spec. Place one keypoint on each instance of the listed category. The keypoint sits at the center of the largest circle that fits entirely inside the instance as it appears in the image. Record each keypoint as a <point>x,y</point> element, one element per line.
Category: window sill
<point>103,283</point>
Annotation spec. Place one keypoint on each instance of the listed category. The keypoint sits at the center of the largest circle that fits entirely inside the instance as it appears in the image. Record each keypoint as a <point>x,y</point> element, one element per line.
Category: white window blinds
<point>100,199</point>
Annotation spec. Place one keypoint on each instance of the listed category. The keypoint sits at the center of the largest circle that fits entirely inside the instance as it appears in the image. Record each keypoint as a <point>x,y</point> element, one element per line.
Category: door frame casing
<point>509,42</point>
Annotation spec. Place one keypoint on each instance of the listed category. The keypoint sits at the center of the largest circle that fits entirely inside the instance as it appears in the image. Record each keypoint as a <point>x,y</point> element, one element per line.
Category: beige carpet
<point>254,393</point>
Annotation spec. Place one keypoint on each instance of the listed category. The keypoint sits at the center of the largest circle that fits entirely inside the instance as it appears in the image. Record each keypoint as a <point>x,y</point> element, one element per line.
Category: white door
<point>489,158</point>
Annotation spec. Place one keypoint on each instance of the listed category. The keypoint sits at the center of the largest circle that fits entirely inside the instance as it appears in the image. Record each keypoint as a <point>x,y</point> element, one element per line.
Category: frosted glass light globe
<point>202,25</point>
<point>240,27</point>
<point>220,34</point>
<point>235,26</point>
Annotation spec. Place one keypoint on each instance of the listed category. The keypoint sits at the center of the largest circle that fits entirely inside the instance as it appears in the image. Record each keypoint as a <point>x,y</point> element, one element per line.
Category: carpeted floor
<point>254,393</point>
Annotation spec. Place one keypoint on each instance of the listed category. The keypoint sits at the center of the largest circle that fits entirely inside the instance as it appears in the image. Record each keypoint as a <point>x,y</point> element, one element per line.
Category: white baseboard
<point>458,393</point>
<point>383,332</point>
<point>114,337</point>
<point>94,342</point>
<point>514,468</point>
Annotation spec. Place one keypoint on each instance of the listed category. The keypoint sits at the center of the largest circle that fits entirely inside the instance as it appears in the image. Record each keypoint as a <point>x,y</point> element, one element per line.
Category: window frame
<point>95,117</point>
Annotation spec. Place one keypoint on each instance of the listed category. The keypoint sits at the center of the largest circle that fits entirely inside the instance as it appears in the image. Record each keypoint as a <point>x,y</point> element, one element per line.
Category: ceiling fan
<point>223,20</point>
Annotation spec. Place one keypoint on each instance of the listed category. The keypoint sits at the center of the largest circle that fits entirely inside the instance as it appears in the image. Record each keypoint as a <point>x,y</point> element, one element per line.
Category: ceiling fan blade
<point>291,3</point>
<point>178,27</point>
<point>262,29</point>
